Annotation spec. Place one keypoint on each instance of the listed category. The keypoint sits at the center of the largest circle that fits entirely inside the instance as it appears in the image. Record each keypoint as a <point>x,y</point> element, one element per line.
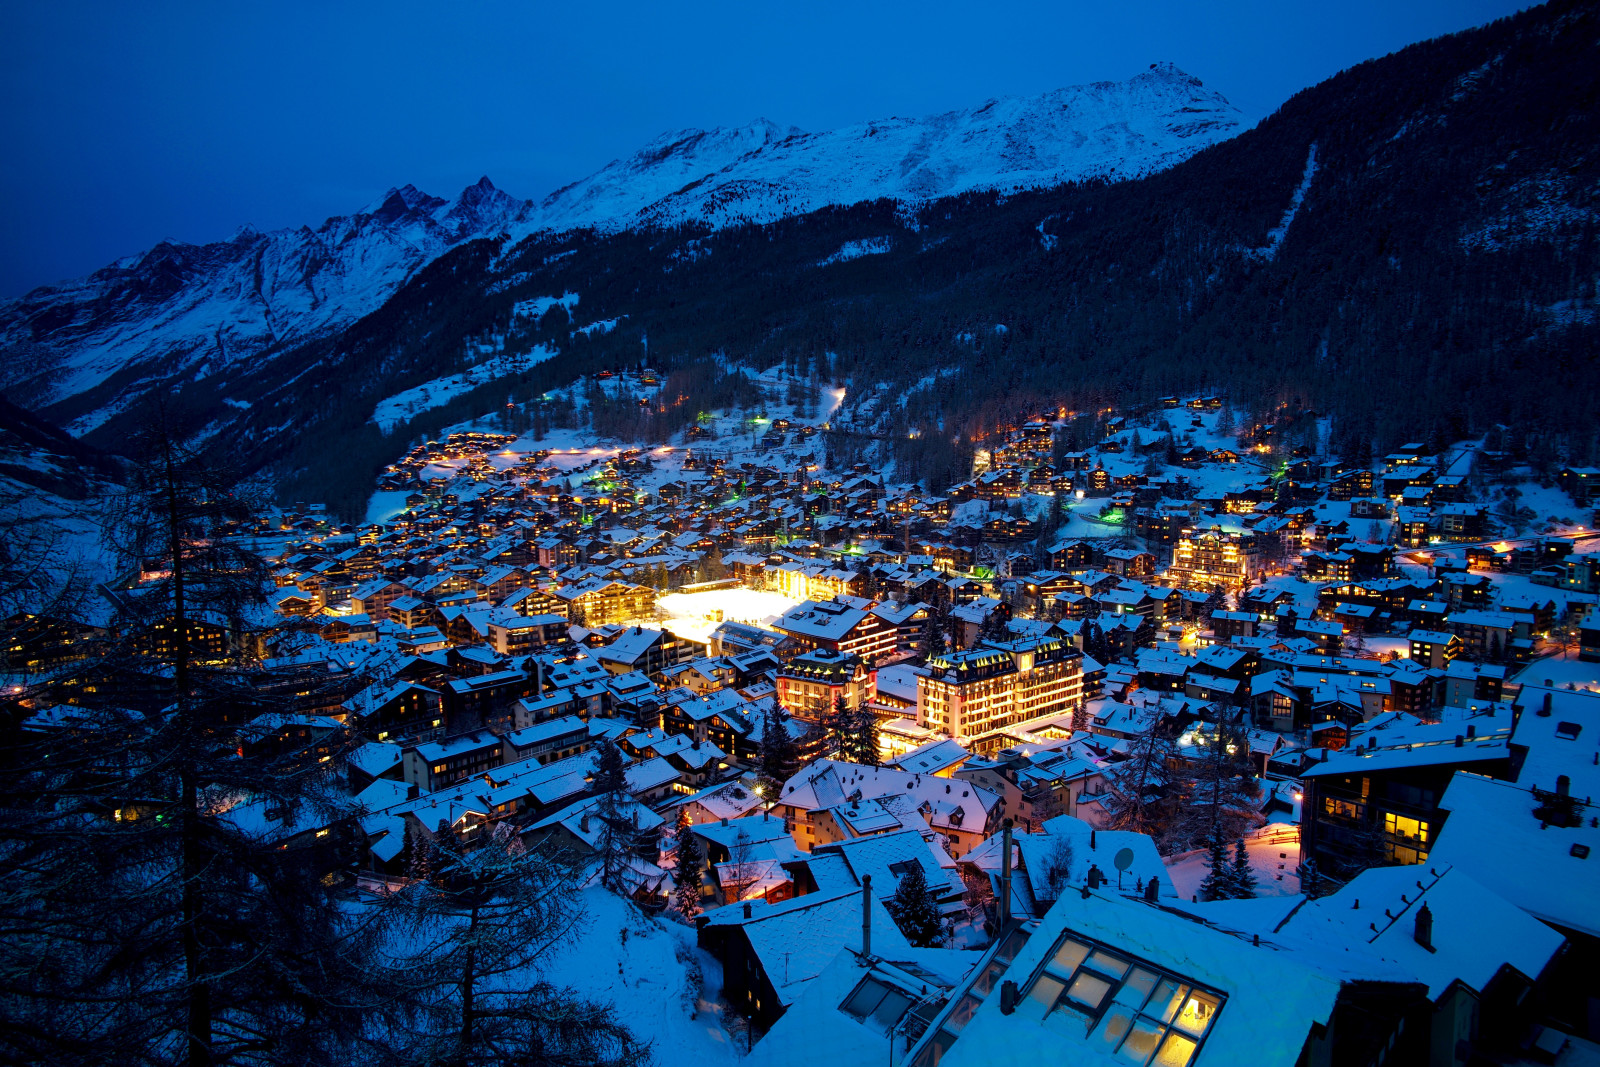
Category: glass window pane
<point>1012,945</point>
<point>1141,1042</point>
<point>1136,987</point>
<point>1106,963</point>
<point>1068,956</point>
<point>989,978</point>
<point>1176,1051</point>
<point>1089,990</point>
<point>1197,1013</point>
<point>1112,1029</point>
<point>864,999</point>
<point>935,1049</point>
<point>1166,1000</point>
<point>1046,990</point>
<point>962,1013</point>
<point>890,1009</point>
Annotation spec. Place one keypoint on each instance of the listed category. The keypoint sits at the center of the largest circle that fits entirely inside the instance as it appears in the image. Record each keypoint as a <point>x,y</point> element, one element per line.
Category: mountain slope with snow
<point>89,350</point>
<point>188,311</point>
<point>764,172</point>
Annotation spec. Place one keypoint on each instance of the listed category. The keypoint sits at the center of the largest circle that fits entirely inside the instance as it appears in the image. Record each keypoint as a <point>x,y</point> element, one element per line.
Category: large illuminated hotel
<point>974,696</point>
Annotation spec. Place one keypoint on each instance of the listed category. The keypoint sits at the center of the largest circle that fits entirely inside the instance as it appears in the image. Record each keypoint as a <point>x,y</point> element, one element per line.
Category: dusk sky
<point>125,124</point>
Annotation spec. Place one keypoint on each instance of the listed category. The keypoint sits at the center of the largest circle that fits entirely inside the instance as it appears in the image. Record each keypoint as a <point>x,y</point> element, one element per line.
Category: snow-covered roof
<point>797,939</point>
<point>1475,931</point>
<point>1272,998</point>
<point>1493,835</point>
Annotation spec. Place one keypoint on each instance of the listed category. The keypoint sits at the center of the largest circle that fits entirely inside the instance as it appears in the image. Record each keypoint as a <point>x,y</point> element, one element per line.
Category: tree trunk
<point>467,982</point>
<point>197,981</point>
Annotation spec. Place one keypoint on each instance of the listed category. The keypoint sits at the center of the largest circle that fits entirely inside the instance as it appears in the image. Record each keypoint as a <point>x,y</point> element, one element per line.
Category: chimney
<point>1152,890</point>
<point>1472,731</point>
<point>1092,845</point>
<point>866,915</point>
<point>1424,931</point>
<point>583,823</point>
<point>1004,911</point>
<point>1544,709</point>
<point>748,910</point>
<point>1459,740</point>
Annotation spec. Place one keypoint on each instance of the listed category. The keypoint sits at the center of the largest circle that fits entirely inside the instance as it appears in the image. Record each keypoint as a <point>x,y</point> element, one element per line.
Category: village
<point>1158,726</point>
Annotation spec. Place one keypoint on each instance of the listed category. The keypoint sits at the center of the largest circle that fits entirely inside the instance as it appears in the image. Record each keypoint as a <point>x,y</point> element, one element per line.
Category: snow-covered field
<point>1274,855</point>
<point>394,410</point>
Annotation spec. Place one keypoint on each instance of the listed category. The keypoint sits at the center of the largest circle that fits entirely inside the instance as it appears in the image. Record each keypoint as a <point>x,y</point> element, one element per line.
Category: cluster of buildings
<point>466,660</point>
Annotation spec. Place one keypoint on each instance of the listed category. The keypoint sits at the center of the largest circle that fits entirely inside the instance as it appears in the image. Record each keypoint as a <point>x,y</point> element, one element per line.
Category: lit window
<point>1402,826</point>
<point>1125,1008</point>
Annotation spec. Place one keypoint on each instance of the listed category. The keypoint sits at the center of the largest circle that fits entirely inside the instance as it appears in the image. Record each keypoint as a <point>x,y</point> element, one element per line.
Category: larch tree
<point>158,836</point>
<point>1142,791</point>
<point>1224,797</point>
<point>461,952</point>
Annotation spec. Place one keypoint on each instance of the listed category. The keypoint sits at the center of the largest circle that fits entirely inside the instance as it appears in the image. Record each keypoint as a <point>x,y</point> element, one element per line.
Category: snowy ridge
<point>763,172</point>
<point>193,310</point>
<point>407,404</point>
<point>186,312</point>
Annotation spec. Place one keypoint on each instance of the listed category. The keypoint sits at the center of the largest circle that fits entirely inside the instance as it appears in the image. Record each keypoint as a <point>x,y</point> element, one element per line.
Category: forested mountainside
<point>97,347</point>
<point>1410,245</point>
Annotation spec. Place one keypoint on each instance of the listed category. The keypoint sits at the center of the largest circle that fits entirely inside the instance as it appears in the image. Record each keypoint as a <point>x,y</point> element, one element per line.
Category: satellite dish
<point>1123,859</point>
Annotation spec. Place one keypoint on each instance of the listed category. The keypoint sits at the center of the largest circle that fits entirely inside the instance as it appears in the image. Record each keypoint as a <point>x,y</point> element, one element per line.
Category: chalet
<point>839,627</point>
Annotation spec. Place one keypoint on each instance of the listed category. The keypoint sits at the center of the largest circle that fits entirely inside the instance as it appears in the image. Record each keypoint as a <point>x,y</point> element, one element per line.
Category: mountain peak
<point>764,170</point>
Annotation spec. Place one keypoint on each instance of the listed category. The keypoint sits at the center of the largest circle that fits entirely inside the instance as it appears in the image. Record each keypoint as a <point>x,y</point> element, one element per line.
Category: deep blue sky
<point>126,123</point>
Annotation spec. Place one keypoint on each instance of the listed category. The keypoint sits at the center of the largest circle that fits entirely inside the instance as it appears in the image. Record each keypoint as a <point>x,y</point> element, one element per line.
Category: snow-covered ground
<point>1274,856</point>
<point>664,988</point>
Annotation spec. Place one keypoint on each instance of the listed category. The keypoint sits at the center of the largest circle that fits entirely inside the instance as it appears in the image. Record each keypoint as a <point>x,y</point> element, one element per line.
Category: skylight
<point>1122,1005</point>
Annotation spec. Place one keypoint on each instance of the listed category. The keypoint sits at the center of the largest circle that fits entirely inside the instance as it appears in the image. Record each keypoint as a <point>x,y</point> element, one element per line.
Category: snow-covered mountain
<point>763,172</point>
<point>180,311</point>
<point>87,350</point>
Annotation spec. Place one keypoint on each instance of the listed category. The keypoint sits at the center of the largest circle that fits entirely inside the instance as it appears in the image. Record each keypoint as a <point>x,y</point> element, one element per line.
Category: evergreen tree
<point>1243,882</point>
<point>840,725</point>
<point>779,757</point>
<point>865,749</point>
<point>616,837</point>
<point>689,860</point>
<point>913,909</point>
<point>1218,883</point>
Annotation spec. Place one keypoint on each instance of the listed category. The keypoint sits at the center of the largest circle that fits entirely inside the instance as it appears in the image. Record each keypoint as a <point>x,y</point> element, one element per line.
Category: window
<point>1343,809</point>
<point>876,1004</point>
<point>1406,827</point>
<point>1127,1009</point>
<point>1568,731</point>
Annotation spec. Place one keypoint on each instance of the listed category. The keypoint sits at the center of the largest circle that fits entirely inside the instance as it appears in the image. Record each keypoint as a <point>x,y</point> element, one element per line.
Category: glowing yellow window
<point>1402,826</point>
